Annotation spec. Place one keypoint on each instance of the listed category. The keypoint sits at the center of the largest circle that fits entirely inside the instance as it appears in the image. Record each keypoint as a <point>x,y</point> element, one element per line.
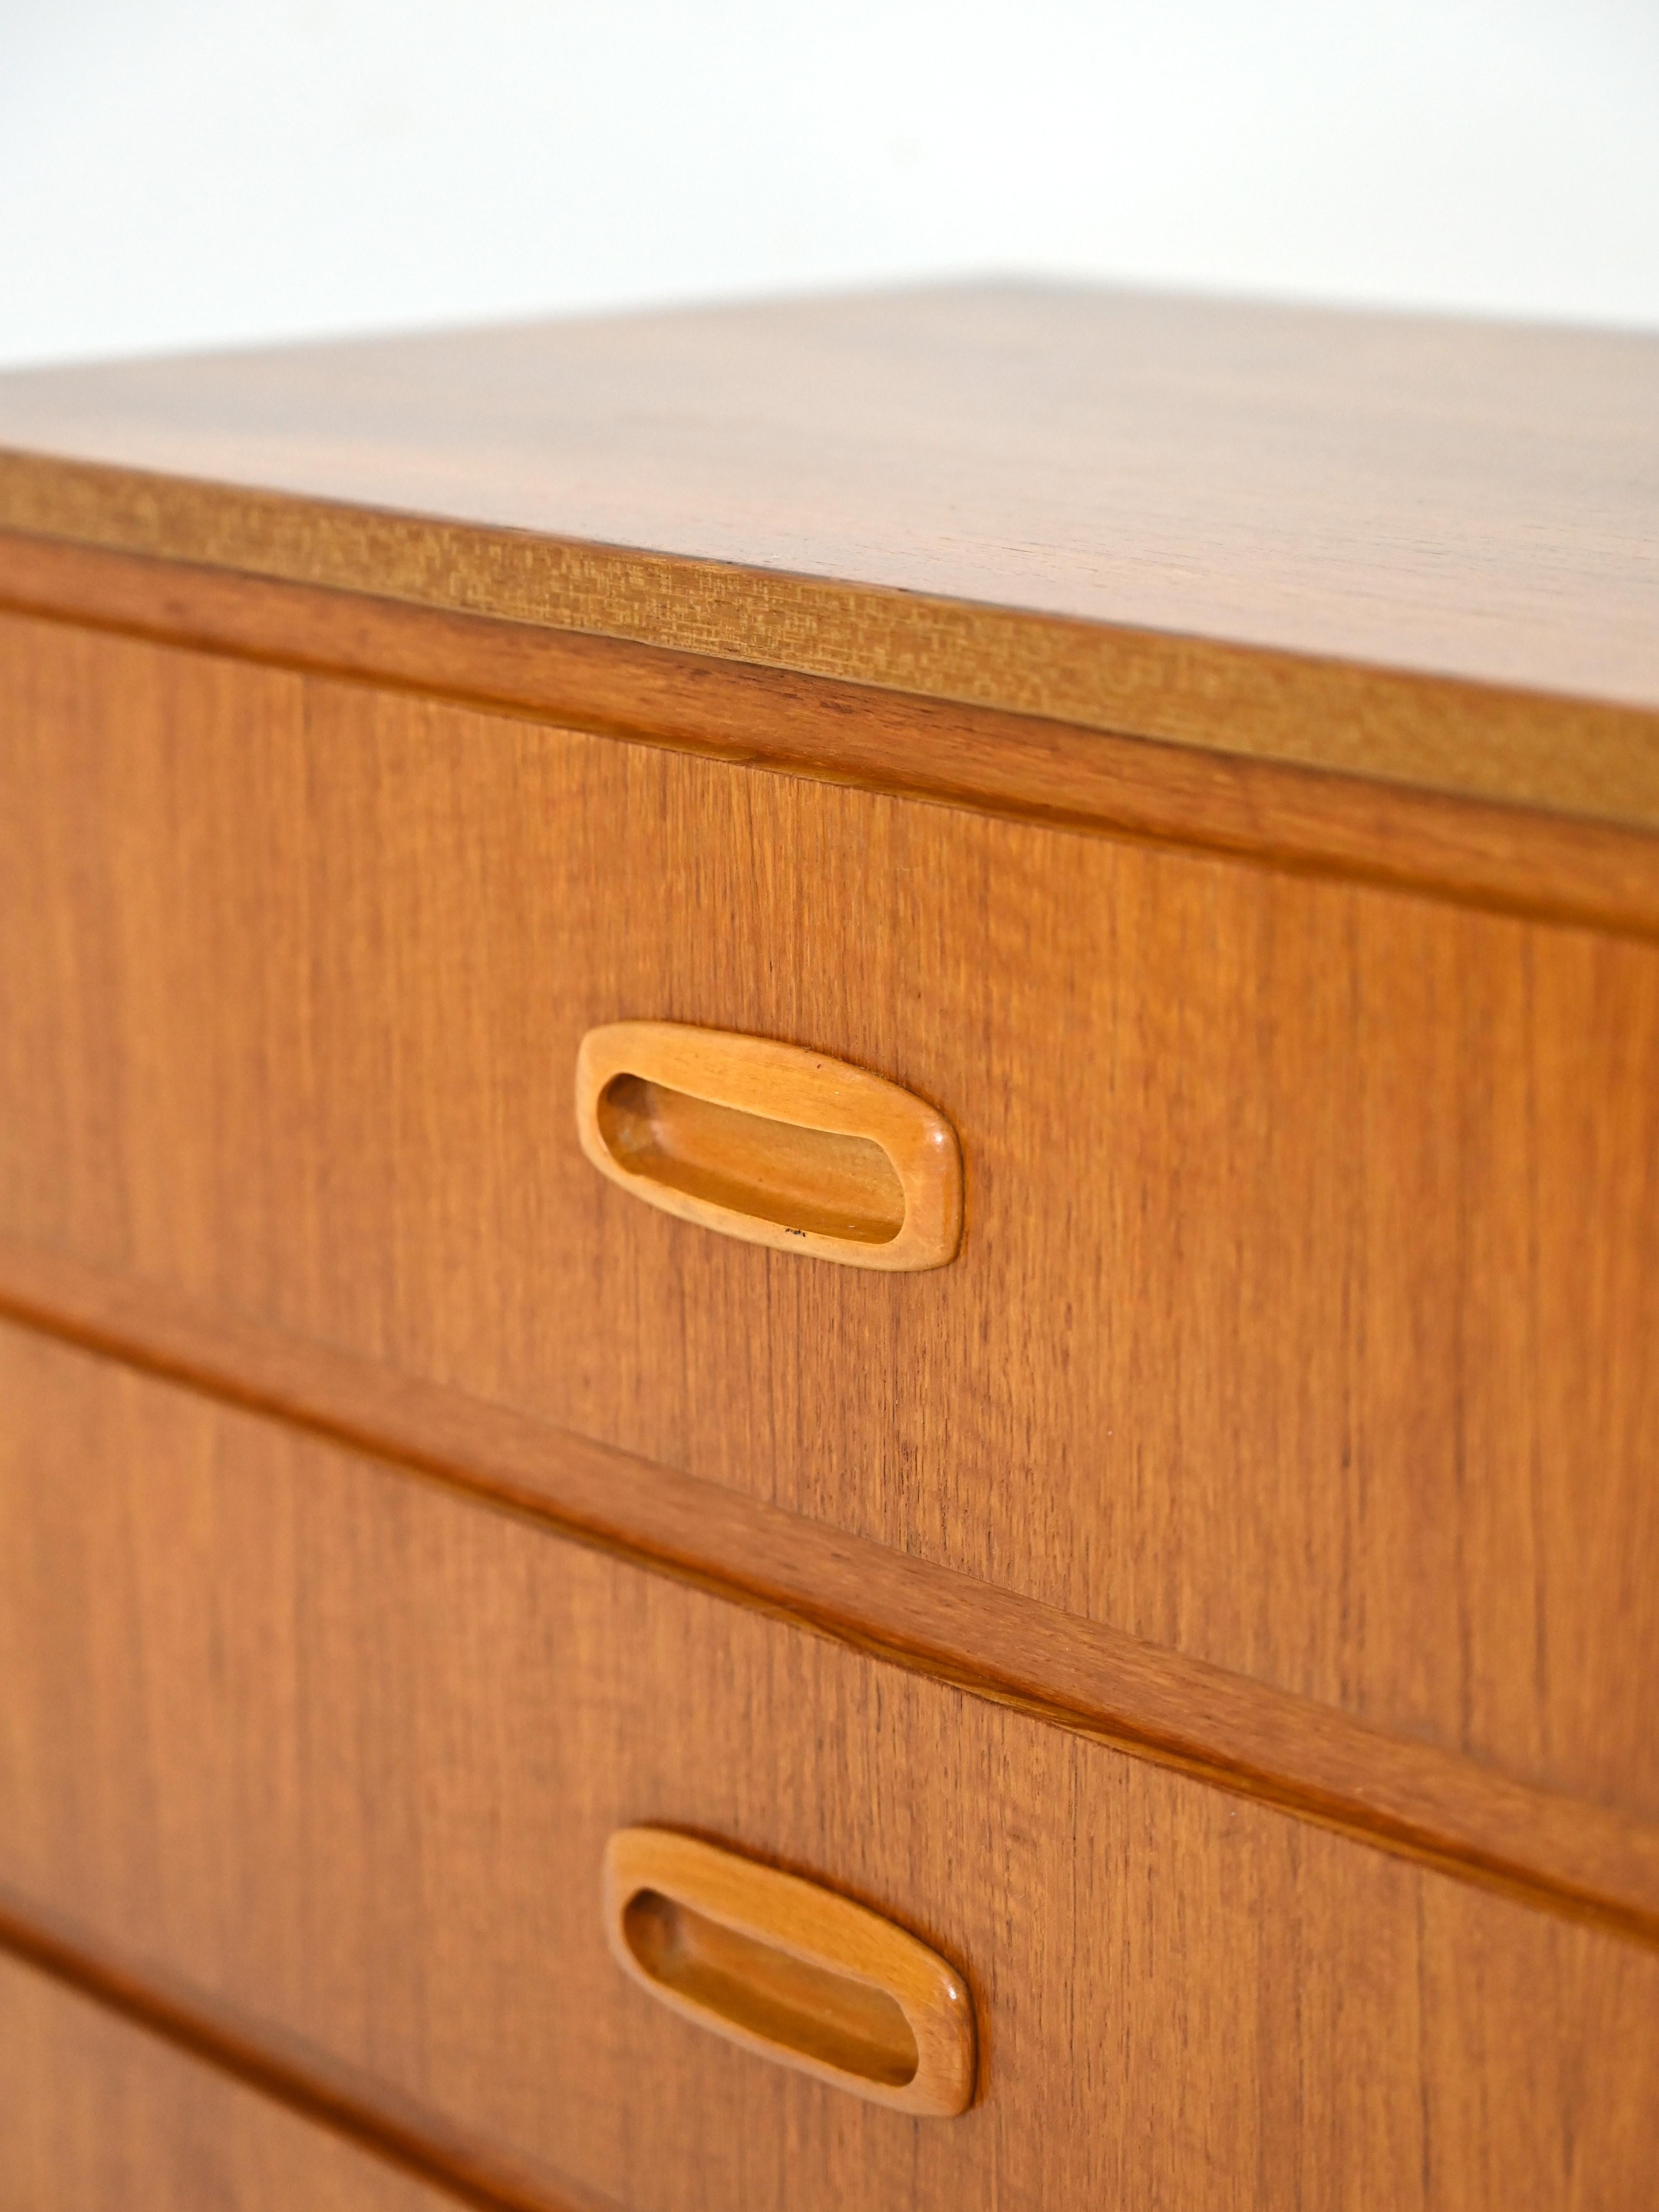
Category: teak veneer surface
<point>1508,857</point>
<point>1233,526</point>
<point>95,2113</point>
<point>1398,1793</point>
<point>347,1751</point>
<point>1304,1316</point>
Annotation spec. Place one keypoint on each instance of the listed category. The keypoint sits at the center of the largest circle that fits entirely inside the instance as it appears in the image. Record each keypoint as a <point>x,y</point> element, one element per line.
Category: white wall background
<point>181,172</point>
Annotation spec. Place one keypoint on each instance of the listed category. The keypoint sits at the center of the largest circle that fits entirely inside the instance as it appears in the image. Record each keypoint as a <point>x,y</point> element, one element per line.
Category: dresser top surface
<point>1458,498</point>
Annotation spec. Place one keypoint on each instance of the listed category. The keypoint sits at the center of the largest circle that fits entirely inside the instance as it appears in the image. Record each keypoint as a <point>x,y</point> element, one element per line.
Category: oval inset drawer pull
<point>771,1143</point>
<point>790,1971</point>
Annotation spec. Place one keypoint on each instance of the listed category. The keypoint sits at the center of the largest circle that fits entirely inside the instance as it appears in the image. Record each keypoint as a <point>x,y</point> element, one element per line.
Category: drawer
<point>1301,1320</point>
<point>339,1753</point>
<point>100,2113</point>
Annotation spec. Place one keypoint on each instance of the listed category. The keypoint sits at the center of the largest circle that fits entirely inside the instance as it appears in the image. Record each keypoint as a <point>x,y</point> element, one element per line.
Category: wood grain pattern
<point>344,1754</point>
<point>1511,856</point>
<point>98,2113</point>
<point>292,2071</point>
<point>1331,1370</point>
<point>1380,487</point>
<point>1459,1814</point>
<point>1063,502</point>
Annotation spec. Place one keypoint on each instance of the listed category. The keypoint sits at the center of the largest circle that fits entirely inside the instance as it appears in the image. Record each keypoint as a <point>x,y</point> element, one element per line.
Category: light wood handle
<point>771,1143</point>
<point>790,1971</point>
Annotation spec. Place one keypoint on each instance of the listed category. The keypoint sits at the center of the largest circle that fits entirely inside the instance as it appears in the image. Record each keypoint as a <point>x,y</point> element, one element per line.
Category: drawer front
<point>340,1754</point>
<point>1304,1316</point>
<point>100,2113</point>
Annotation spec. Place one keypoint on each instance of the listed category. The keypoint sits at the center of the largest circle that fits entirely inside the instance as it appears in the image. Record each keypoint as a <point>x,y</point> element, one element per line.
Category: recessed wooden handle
<point>770,1143</point>
<point>790,1971</point>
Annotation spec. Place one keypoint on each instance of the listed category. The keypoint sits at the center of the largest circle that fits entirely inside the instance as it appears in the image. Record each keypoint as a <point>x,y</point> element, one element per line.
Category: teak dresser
<point>829,1265</point>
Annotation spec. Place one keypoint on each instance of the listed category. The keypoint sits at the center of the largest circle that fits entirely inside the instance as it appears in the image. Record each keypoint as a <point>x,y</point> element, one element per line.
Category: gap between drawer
<point>1451,1812</point>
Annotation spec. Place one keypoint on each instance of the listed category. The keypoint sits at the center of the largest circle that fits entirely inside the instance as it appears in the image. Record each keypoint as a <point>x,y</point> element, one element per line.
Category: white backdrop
<point>177,173</point>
